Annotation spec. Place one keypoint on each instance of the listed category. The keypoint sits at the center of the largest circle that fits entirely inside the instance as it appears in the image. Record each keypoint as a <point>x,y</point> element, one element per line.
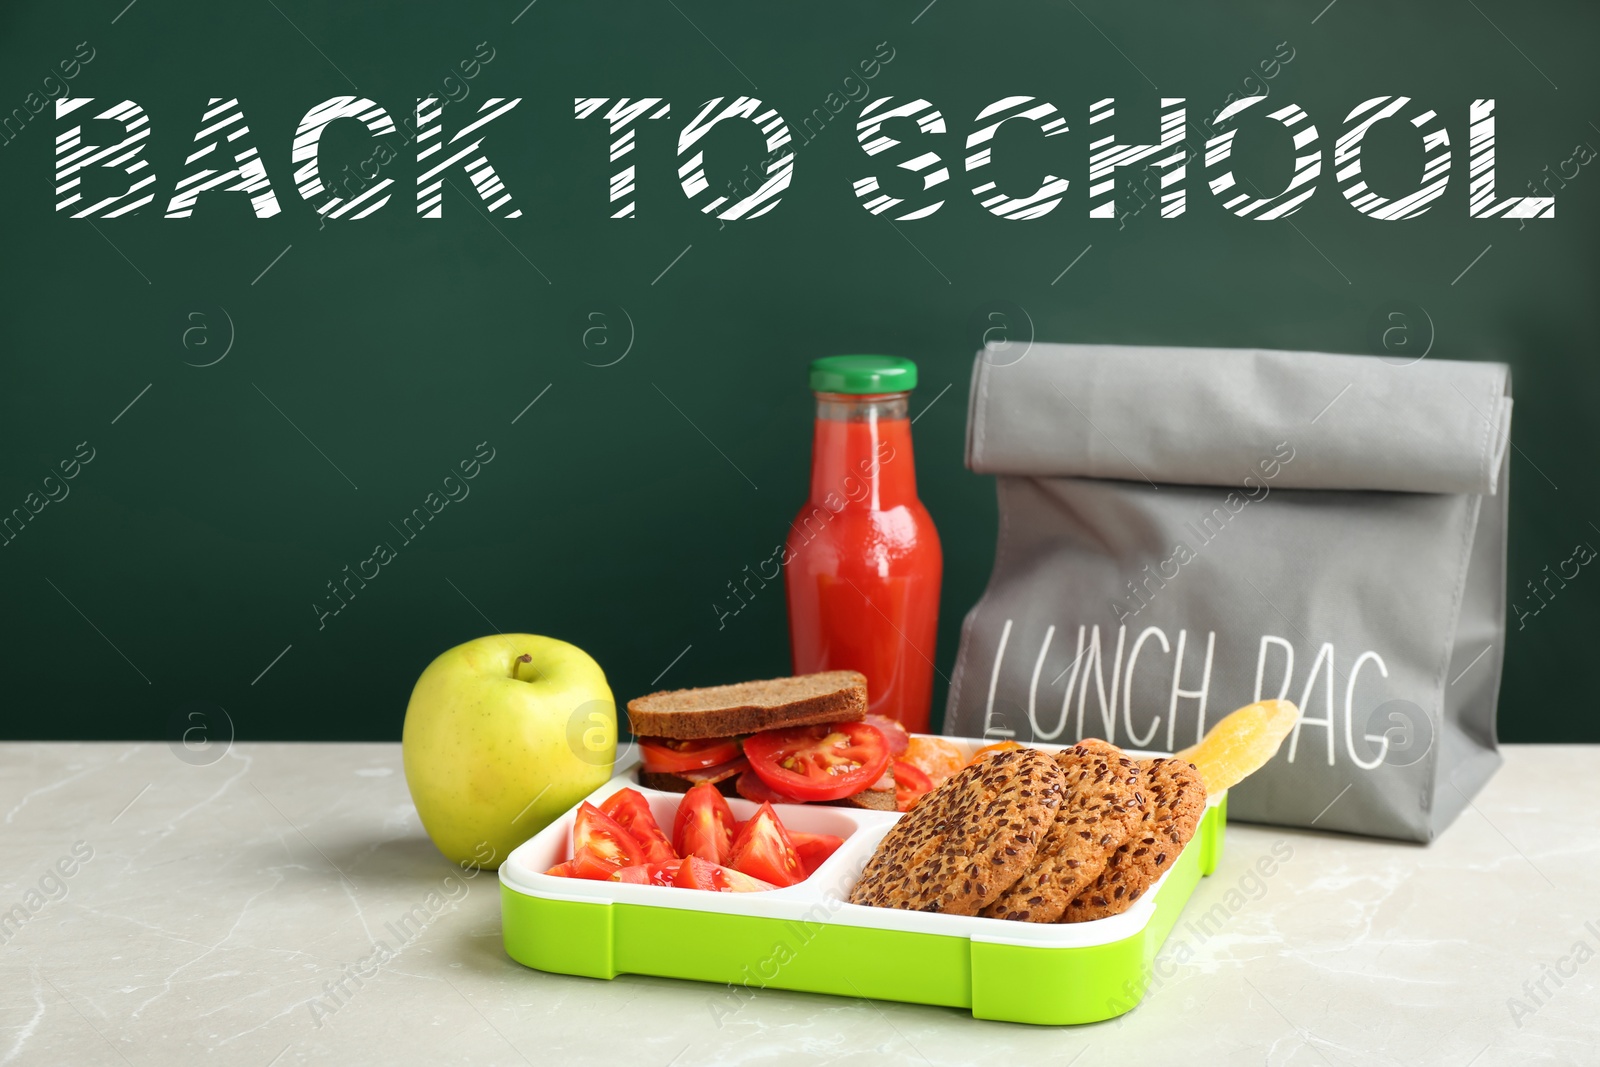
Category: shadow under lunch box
<point>809,937</point>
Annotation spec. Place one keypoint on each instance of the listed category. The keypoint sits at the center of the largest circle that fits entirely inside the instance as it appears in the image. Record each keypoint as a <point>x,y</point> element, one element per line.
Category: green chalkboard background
<point>367,358</point>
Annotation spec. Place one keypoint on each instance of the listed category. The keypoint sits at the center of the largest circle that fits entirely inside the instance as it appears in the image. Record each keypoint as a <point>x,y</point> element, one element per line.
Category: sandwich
<point>786,740</point>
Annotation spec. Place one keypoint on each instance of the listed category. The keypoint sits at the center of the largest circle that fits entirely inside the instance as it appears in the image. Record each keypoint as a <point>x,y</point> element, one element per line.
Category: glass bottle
<point>862,559</point>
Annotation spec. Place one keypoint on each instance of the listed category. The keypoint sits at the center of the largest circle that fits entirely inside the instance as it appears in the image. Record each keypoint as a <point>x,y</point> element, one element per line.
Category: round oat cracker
<point>1174,799</point>
<point>1101,808</point>
<point>966,841</point>
<point>1098,747</point>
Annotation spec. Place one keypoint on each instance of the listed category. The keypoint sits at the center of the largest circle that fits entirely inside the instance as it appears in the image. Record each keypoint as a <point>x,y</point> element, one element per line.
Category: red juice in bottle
<point>863,562</point>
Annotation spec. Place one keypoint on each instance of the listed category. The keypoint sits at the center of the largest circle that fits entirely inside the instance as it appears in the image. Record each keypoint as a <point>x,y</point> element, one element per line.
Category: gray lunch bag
<point>1185,531</point>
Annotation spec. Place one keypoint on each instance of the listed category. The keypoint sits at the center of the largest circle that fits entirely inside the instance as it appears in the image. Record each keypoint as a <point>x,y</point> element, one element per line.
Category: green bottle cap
<point>863,374</point>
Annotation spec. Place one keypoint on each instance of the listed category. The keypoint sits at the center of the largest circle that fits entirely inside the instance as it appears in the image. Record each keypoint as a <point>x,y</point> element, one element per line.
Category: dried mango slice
<point>1241,743</point>
<point>988,750</point>
<point>934,756</point>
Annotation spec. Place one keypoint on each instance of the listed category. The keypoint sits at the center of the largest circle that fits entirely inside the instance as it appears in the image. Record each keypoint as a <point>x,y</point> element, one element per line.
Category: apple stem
<point>516,663</point>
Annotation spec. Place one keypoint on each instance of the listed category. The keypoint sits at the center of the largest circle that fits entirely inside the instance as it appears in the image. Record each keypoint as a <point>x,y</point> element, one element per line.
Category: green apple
<point>503,734</point>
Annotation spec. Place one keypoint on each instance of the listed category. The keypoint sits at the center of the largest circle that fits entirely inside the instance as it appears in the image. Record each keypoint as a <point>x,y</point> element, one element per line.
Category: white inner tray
<point>823,897</point>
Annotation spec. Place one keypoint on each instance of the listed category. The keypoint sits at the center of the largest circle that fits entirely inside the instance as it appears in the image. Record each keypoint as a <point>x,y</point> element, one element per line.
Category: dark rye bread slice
<point>677,783</point>
<point>968,840</point>
<point>871,799</point>
<point>747,707</point>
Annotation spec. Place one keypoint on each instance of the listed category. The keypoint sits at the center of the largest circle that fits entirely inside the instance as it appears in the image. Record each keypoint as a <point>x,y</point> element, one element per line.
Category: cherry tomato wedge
<point>696,873</point>
<point>585,865</point>
<point>751,787</point>
<point>823,762</point>
<point>704,824</point>
<point>665,756</point>
<point>910,785</point>
<point>813,848</point>
<point>647,873</point>
<point>894,735</point>
<point>763,850</point>
<point>596,836</point>
<point>632,812</point>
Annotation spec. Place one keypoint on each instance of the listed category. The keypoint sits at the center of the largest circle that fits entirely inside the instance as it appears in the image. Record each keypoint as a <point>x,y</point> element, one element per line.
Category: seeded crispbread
<point>1101,808</point>
<point>968,840</point>
<point>746,707</point>
<point>1102,748</point>
<point>1174,799</point>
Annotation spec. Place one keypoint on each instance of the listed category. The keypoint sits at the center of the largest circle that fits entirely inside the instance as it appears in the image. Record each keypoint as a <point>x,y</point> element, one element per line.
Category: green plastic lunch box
<point>809,937</point>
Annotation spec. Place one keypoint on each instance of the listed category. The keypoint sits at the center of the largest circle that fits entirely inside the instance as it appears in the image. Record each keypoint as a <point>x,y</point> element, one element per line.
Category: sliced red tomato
<point>894,734</point>
<point>823,762</point>
<point>763,850</point>
<point>597,837</point>
<point>666,756</point>
<point>751,787</point>
<point>564,870</point>
<point>632,812</point>
<point>696,873</point>
<point>647,873</point>
<point>910,785</point>
<point>704,824</point>
<point>813,848</point>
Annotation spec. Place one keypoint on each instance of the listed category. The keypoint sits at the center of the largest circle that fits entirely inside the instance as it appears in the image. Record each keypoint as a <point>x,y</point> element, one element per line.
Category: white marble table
<point>210,910</point>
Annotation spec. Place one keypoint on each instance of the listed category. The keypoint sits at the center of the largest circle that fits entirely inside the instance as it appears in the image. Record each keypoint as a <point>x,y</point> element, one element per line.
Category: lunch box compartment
<point>808,936</point>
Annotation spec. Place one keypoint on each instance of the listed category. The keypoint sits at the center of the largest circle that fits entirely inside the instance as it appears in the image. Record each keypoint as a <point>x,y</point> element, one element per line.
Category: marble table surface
<point>183,914</point>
